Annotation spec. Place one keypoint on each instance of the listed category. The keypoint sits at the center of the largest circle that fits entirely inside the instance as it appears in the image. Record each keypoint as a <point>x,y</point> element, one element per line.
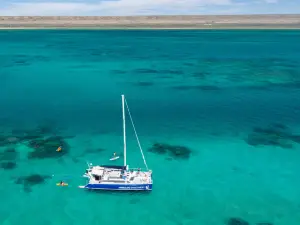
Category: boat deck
<point>102,175</point>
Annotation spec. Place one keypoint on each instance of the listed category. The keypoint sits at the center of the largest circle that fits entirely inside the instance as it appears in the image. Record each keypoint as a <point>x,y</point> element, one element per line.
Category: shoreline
<point>195,22</point>
<point>155,28</point>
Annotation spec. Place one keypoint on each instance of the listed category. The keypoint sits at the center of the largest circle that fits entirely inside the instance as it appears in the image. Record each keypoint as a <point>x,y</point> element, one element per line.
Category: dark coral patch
<point>295,138</point>
<point>201,75</point>
<point>119,71</point>
<point>175,151</point>
<point>271,131</point>
<point>8,159</point>
<point>31,180</point>
<point>188,64</point>
<point>274,135</point>
<point>208,88</point>
<point>237,221</point>
<point>183,87</point>
<point>173,72</point>
<point>4,140</point>
<point>10,154</point>
<point>25,60</point>
<point>255,139</point>
<point>8,165</point>
<point>31,134</point>
<point>279,126</point>
<point>158,149</point>
<point>146,71</point>
<point>46,148</point>
<point>45,129</point>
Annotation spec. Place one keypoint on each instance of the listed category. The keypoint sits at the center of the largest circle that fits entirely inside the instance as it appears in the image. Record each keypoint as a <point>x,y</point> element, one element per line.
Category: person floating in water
<point>59,149</point>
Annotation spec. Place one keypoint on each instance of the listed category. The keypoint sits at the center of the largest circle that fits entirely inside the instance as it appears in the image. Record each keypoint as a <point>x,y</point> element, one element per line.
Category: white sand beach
<point>153,22</point>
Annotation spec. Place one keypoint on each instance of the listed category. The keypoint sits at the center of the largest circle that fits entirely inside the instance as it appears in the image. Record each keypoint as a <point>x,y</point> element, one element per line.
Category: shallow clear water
<point>231,97</point>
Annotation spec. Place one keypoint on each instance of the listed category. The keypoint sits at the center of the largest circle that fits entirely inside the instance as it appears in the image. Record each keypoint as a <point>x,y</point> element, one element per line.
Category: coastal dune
<point>172,22</point>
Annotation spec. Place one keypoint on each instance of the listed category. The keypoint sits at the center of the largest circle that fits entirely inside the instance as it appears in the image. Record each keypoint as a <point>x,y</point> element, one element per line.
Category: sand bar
<point>153,22</point>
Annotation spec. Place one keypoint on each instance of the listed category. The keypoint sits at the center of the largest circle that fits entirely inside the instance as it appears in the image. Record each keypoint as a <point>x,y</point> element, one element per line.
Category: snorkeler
<point>61,183</point>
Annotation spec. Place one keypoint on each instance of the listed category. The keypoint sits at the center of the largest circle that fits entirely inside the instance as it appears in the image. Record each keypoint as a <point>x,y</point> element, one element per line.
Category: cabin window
<point>97,177</point>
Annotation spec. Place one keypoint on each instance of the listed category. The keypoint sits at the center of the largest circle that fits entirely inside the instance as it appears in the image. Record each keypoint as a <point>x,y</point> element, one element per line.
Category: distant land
<point>153,22</point>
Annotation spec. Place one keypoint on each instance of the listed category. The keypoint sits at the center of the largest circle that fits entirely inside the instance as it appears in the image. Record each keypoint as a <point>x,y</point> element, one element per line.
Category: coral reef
<point>10,154</point>
<point>46,148</point>
<point>275,135</point>
<point>5,140</point>
<point>176,151</point>
<point>30,134</point>
<point>236,221</point>
<point>31,180</point>
<point>23,135</point>
<point>8,165</point>
<point>8,159</point>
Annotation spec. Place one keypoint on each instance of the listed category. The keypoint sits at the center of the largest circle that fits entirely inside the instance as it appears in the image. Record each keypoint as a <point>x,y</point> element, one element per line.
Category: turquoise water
<point>232,98</point>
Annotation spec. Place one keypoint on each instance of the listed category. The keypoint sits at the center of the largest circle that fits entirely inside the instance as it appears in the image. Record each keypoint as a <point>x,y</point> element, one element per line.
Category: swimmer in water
<point>115,154</point>
<point>59,149</point>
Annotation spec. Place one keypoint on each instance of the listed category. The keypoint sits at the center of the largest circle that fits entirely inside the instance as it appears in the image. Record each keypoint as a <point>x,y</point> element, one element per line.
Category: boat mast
<point>124,128</point>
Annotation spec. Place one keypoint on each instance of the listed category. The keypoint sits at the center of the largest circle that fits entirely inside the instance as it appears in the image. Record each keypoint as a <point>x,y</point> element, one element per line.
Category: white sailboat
<point>107,177</point>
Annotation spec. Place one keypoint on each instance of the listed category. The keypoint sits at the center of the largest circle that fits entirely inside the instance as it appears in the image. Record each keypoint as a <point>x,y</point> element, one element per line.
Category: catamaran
<point>113,177</point>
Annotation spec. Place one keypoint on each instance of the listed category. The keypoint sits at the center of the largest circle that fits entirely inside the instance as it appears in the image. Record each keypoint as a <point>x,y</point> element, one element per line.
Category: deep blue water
<point>232,97</point>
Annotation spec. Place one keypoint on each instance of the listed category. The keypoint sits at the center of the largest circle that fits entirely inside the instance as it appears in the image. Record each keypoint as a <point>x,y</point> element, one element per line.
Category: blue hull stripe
<point>121,187</point>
